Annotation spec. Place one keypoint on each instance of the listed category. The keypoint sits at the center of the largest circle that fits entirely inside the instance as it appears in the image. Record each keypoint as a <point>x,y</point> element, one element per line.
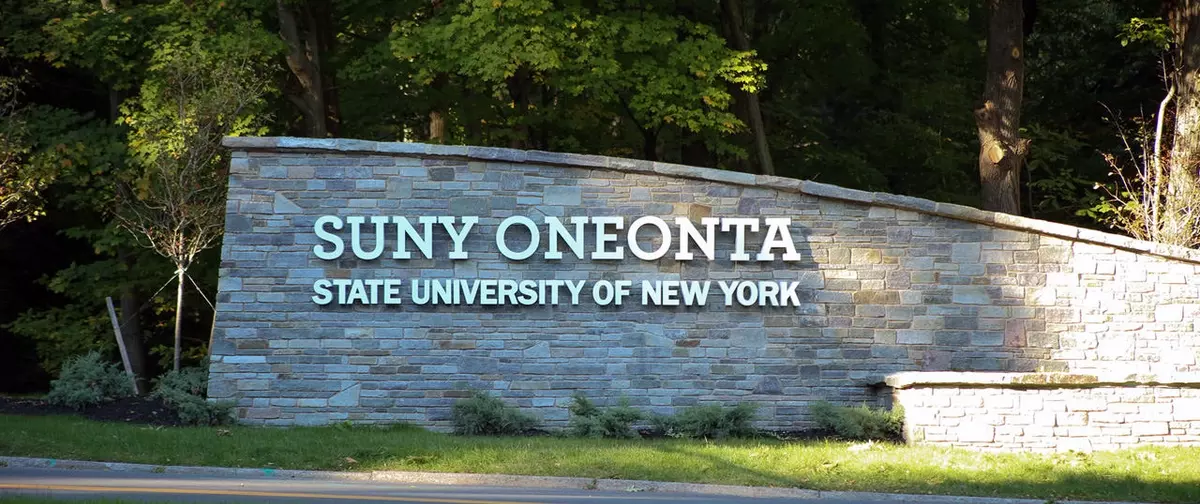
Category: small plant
<point>87,380</point>
<point>184,392</point>
<point>859,422</point>
<point>588,420</point>
<point>482,415</point>
<point>709,422</point>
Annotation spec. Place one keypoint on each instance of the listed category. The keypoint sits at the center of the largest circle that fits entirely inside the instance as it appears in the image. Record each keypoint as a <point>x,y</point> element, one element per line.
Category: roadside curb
<point>504,480</point>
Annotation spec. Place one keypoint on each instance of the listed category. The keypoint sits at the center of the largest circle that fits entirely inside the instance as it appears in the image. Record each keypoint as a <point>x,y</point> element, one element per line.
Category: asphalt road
<point>73,484</point>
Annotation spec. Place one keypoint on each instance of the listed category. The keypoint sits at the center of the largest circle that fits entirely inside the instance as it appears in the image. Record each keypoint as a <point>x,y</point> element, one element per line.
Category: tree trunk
<point>1001,150</point>
<point>306,28</point>
<point>519,89</point>
<point>731,16</point>
<point>650,145</point>
<point>179,319</point>
<point>131,327</point>
<point>1184,19</point>
<point>437,127</point>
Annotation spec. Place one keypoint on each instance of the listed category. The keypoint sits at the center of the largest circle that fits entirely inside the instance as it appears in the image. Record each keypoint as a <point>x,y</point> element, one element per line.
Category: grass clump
<point>589,420</point>
<point>709,422</point>
<point>859,422</point>
<point>87,380</point>
<point>484,415</point>
<point>184,391</point>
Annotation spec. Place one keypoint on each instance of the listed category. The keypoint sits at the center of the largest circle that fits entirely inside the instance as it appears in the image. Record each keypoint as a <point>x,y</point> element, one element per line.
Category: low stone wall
<point>1047,411</point>
<point>883,284</point>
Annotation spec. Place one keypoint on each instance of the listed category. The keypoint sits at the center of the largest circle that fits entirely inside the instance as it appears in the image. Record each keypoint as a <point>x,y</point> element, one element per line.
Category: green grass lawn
<point>1149,474</point>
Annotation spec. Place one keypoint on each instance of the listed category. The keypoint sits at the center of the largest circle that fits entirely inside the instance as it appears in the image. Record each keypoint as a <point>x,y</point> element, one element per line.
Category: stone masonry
<point>889,284</point>
<point>1079,412</point>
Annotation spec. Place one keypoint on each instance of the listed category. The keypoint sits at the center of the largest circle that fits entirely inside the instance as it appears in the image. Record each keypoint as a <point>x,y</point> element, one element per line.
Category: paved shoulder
<point>199,488</point>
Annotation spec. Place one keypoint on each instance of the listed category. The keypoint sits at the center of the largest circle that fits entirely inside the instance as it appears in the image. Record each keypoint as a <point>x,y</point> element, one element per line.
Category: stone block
<point>976,433</point>
<point>1150,428</point>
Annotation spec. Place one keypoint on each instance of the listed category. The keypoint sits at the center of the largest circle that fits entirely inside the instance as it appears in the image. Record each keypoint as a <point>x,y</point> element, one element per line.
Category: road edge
<point>506,480</point>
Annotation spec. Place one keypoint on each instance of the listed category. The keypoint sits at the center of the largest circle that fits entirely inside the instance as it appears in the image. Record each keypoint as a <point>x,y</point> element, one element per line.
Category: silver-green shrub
<point>87,380</point>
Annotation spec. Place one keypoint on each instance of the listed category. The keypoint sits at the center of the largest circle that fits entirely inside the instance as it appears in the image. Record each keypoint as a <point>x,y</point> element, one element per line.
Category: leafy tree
<point>177,205</point>
<point>623,70</point>
<point>20,186</point>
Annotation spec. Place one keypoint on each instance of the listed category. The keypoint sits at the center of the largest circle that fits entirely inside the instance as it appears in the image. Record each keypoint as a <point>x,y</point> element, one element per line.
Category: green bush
<point>709,422</point>
<point>87,380</point>
<point>859,422</point>
<point>588,420</point>
<point>184,390</point>
<point>484,415</point>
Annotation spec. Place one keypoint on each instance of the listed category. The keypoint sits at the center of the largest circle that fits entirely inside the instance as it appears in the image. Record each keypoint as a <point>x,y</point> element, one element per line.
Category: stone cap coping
<point>930,379</point>
<point>818,189</point>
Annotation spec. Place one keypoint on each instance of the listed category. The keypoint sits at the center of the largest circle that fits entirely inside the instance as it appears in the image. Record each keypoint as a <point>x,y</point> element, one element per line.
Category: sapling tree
<point>191,100</point>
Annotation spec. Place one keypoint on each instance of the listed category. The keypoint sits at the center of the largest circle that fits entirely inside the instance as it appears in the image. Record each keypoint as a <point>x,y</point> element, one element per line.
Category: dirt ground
<point>139,410</point>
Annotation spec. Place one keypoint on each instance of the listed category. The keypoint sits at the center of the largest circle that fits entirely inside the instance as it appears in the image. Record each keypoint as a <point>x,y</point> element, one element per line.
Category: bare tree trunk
<point>1001,150</point>
<point>131,326</point>
<point>307,29</point>
<point>519,89</point>
<point>650,145</point>
<point>731,15</point>
<point>179,319</point>
<point>437,127</point>
<point>1184,19</point>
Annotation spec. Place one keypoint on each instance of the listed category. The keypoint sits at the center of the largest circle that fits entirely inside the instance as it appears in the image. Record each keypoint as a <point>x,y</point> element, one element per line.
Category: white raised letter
<point>405,231</point>
<point>662,229</point>
<point>778,235</point>
<point>739,239</point>
<point>688,231</point>
<point>459,236</point>
<point>338,245</point>
<point>356,223</point>
<point>321,287</point>
<point>603,237</point>
<point>573,241</point>
<point>534,237</point>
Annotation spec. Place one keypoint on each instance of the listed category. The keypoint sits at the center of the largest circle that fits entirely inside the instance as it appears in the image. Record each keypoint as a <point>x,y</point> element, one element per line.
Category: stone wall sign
<point>380,282</point>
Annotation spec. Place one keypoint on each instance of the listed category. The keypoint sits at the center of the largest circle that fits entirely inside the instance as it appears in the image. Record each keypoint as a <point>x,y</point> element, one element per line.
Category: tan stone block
<point>865,256</point>
<point>1071,419</point>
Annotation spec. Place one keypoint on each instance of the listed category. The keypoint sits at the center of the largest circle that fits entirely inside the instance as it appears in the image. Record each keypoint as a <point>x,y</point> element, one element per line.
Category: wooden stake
<point>112,314</point>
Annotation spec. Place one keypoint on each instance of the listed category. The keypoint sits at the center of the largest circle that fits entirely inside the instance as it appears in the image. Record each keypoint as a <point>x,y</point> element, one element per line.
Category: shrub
<point>184,390</point>
<point>482,414</point>
<point>588,420</point>
<point>859,422</point>
<point>709,422</point>
<point>87,380</point>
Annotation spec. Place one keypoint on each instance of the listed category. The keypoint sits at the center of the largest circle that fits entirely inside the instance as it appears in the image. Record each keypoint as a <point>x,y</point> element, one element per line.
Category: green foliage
<point>859,422</point>
<point>607,69</point>
<point>88,380</point>
<point>484,415</point>
<point>709,422</point>
<point>1152,31</point>
<point>185,390</point>
<point>588,420</point>
<point>20,185</point>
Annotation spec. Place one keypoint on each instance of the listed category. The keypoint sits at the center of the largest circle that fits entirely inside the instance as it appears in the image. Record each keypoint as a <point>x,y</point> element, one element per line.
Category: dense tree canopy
<point>861,93</point>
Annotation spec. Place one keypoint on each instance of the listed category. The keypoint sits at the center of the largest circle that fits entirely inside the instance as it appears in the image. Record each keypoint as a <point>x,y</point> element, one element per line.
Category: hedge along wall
<point>883,284</point>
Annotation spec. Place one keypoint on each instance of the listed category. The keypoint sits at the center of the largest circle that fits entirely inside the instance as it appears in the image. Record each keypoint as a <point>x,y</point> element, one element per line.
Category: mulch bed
<point>135,410</point>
